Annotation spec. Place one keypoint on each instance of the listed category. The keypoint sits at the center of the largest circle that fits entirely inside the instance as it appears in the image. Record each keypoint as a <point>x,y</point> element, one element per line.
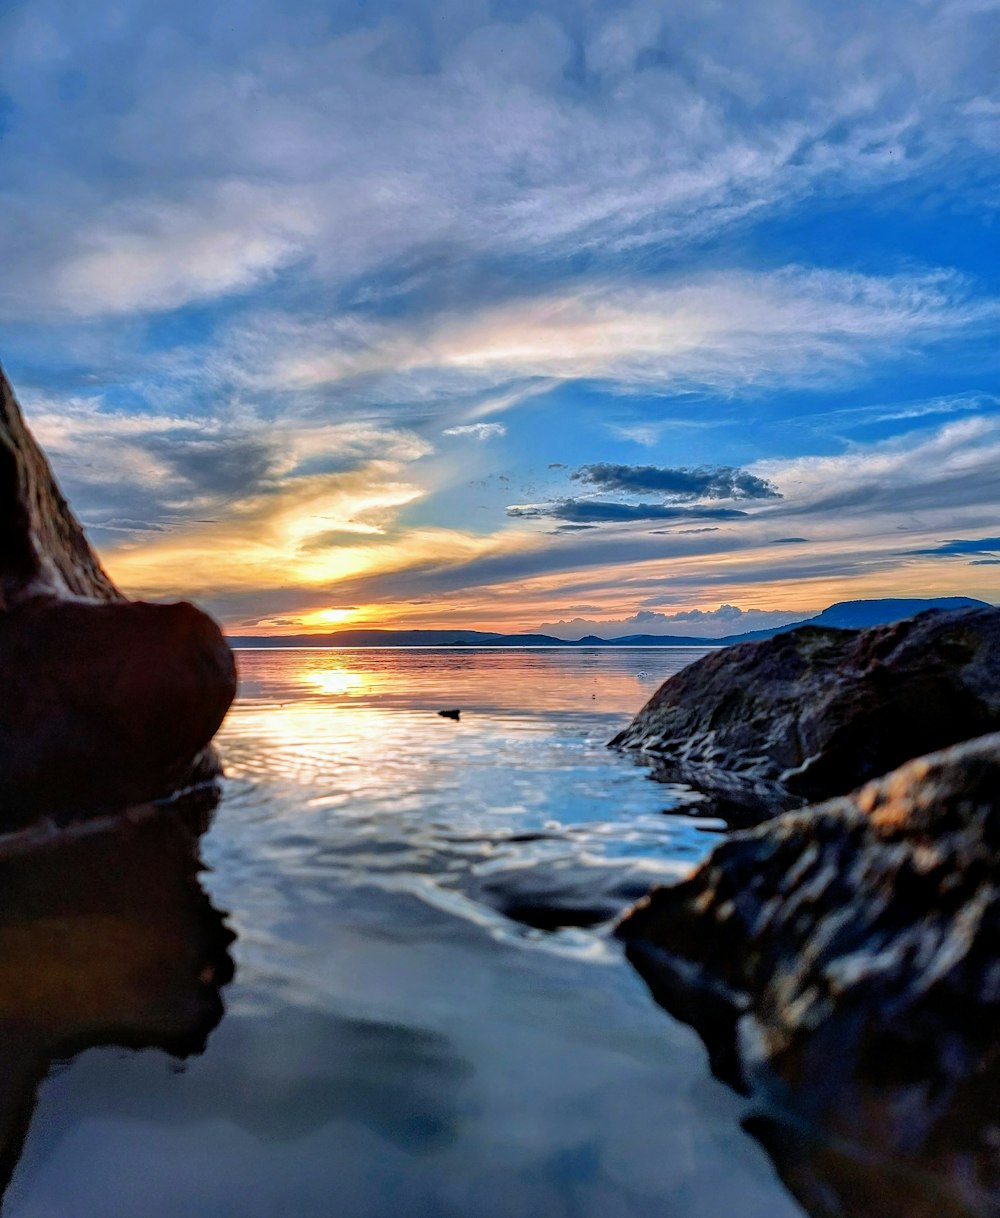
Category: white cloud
<point>728,331</point>
<point>481,431</point>
<point>193,159</point>
<point>692,623</point>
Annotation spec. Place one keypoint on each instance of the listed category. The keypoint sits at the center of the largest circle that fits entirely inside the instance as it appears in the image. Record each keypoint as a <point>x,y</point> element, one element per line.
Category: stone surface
<point>42,546</point>
<point>105,702</point>
<point>814,713</point>
<point>842,964</point>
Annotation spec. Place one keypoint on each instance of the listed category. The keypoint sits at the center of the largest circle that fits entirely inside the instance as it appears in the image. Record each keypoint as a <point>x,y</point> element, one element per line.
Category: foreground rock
<point>842,963</point>
<point>816,712</point>
<point>105,702</point>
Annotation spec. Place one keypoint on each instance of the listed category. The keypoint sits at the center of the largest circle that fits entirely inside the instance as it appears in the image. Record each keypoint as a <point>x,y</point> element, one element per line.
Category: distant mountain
<point>857,615</point>
<point>400,638</point>
<point>845,615</point>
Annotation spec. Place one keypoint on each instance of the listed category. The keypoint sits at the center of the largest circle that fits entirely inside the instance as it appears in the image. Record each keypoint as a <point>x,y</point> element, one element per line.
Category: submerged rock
<point>814,713</point>
<point>105,702</point>
<point>842,964</point>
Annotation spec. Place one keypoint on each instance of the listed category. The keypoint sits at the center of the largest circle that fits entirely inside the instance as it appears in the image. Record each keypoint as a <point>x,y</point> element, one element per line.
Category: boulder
<point>772,725</point>
<point>105,702</point>
<point>842,965</point>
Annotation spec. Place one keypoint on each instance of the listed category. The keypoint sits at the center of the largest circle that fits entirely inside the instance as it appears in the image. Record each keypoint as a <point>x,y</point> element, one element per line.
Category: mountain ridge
<point>843,615</point>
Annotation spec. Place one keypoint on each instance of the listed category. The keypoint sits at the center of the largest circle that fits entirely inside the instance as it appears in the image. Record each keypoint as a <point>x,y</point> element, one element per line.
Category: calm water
<point>428,1016</point>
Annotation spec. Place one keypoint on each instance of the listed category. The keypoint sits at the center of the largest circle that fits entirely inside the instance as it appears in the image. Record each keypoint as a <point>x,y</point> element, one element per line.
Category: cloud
<point>593,511</point>
<point>172,472</point>
<point>481,431</point>
<point>952,470</point>
<point>959,547</point>
<point>734,332</point>
<point>680,483</point>
<point>696,623</point>
<point>367,143</point>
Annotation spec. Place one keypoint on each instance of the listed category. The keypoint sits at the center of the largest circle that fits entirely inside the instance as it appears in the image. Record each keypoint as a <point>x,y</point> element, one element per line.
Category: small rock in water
<point>450,714</point>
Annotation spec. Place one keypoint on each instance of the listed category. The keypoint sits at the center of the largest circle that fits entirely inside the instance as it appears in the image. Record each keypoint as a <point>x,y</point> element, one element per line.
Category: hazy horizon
<point>510,316</point>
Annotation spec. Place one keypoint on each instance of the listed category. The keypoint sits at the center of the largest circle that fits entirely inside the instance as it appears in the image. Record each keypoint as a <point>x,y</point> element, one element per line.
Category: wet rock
<point>842,964</point>
<point>814,713</point>
<point>105,702</point>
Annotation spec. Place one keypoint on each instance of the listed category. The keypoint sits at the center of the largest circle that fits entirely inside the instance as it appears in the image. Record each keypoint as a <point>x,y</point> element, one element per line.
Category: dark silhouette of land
<point>845,615</point>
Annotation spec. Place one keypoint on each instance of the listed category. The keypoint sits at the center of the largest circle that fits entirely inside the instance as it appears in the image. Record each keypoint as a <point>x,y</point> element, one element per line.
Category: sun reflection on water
<point>335,681</point>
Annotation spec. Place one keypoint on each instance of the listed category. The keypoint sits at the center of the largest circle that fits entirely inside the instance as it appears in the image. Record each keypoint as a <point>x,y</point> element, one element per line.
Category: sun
<point>327,617</point>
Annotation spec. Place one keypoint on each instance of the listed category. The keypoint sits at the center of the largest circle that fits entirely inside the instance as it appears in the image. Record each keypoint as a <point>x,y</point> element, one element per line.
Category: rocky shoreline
<point>842,962</point>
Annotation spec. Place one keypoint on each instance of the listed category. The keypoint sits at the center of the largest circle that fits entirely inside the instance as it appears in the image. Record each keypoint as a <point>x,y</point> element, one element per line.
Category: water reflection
<point>478,679</point>
<point>400,1036</point>
<point>105,939</point>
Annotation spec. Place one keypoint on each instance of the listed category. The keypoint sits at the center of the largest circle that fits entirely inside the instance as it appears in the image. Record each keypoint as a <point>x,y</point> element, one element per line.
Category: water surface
<point>428,1015</point>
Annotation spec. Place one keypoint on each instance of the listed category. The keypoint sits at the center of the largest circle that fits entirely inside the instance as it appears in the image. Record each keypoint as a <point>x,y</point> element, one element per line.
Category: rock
<point>842,964</point>
<point>814,713</point>
<point>105,702</point>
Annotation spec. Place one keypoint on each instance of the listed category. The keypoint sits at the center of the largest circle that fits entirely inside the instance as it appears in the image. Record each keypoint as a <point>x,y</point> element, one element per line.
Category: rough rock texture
<point>842,963</point>
<point>103,702</point>
<point>814,713</point>
<point>42,547</point>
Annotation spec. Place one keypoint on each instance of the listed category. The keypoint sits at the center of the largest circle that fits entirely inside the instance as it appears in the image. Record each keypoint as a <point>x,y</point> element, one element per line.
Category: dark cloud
<point>959,546</point>
<point>789,541</point>
<point>985,562</point>
<point>593,511</point>
<point>680,483</point>
<point>220,466</point>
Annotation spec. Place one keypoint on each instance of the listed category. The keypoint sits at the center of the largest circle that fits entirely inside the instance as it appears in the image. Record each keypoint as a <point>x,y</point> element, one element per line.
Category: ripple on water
<point>405,1034</point>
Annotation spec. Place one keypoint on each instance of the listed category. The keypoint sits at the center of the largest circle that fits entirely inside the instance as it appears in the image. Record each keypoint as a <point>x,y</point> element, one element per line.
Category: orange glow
<point>327,617</point>
<point>335,681</point>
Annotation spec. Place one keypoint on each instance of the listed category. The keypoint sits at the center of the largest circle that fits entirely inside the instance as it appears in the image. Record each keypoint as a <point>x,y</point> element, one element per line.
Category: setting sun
<point>327,617</point>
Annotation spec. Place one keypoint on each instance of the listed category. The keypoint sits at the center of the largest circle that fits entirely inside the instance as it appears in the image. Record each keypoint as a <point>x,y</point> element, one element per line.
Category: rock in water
<point>105,702</point>
<point>842,963</point>
<point>816,712</point>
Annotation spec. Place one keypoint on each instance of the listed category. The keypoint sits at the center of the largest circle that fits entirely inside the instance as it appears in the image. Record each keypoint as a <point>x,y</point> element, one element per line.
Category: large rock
<point>814,713</point>
<point>842,963</point>
<point>105,702</point>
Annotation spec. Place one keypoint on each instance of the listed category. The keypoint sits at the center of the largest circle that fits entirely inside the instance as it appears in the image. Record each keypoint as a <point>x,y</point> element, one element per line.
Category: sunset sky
<point>507,315</point>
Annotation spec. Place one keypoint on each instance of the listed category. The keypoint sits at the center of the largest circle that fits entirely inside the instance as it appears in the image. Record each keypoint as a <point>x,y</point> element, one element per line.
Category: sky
<point>576,315</point>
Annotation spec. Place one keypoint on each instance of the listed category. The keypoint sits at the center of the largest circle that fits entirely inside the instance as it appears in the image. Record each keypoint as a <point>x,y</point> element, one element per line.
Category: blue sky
<point>328,314</point>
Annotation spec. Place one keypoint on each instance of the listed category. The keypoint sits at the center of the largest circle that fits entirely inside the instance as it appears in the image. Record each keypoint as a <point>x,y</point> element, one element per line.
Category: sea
<point>428,1015</point>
